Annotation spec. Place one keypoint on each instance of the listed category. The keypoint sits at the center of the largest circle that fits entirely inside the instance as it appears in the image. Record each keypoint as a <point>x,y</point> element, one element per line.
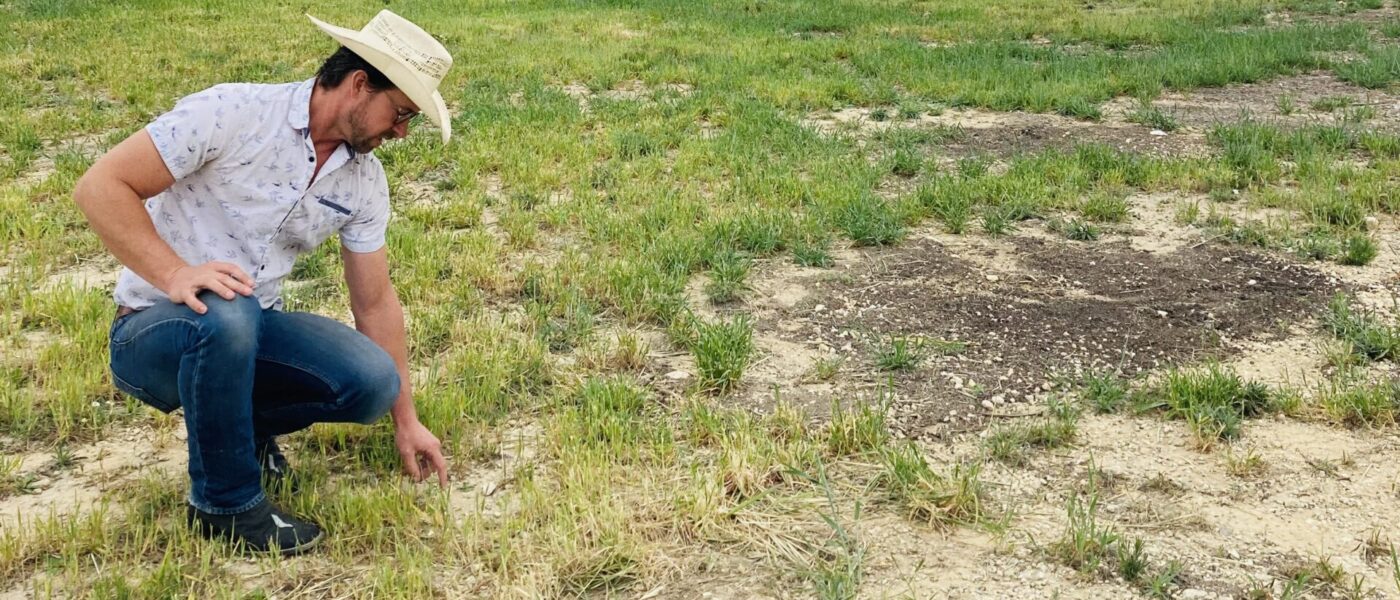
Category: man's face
<point>380,115</point>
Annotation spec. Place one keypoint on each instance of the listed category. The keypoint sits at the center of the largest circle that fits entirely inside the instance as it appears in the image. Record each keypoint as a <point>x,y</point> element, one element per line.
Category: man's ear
<point>359,81</point>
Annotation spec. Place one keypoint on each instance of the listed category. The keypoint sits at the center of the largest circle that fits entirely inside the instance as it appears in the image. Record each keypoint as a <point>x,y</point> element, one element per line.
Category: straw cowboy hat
<point>407,55</point>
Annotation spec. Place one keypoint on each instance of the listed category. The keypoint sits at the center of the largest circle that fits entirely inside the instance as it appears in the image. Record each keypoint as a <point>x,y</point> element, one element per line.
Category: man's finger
<point>440,464</point>
<point>410,466</point>
<point>193,302</point>
<point>219,288</point>
<point>237,285</point>
<point>237,273</point>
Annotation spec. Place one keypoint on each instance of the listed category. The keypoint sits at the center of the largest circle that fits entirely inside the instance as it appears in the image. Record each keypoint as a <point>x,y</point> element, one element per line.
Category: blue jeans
<point>245,374</point>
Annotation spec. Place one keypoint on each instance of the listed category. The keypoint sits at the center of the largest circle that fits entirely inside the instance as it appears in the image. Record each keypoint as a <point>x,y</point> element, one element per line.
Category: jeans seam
<point>204,346</point>
<point>144,396</point>
<point>150,326</point>
<point>192,416</point>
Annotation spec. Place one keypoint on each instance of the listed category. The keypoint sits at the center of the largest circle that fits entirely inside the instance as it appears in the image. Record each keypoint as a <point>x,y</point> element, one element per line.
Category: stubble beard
<point>360,139</point>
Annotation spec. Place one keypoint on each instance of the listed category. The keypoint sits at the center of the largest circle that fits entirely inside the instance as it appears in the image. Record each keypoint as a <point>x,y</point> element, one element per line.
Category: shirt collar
<point>299,113</point>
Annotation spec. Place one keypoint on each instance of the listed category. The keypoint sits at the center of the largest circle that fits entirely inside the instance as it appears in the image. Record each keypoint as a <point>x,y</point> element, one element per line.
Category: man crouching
<point>237,181</point>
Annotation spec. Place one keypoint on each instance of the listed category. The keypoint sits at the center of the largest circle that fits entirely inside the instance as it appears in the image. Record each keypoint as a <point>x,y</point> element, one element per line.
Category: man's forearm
<point>384,324</point>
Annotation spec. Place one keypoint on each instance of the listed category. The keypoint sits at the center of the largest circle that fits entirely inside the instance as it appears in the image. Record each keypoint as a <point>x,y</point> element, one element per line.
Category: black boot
<point>261,528</point>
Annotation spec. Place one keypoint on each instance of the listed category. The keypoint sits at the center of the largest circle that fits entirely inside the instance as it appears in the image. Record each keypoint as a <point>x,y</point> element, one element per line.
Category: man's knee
<point>233,323</point>
<point>374,389</point>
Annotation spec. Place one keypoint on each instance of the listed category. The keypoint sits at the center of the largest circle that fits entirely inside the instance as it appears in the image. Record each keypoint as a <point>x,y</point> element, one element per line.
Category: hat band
<point>420,61</point>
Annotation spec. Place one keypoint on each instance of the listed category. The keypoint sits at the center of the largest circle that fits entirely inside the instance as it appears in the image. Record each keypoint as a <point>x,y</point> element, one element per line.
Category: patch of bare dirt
<point>633,89</point>
<point>1152,222</point>
<point>1296,359</point>
<point>973,132</point>
<point>89,146</point>
<point>91,472</point>
<point>977,132</point>
<point>485,487</point>
<point>97,273</point>
<point>1321,493</point>
<point>1204,108</point>
<point>1376,285</point>
<point>1030,309</point>
<point>1284,18</point>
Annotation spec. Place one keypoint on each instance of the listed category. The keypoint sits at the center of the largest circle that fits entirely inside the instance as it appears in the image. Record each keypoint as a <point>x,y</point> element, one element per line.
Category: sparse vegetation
<point>928,497</point>
<point>1104,391</point>
<point>613,433</point>
<point>1247,464</point>
<point>1057,429</point>
<point>860,429</point>
<point>825,368</point>
<point>727,274</point>
<point>1095,549</point>
<point>1360,403</point>
<point>997,220</point>
<point>1332,103</point>
<point>1077,230</point>
<point>1105,207</point>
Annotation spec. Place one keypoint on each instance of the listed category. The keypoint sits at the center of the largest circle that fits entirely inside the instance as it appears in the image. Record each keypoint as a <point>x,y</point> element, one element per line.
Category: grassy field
<point>598,274</point>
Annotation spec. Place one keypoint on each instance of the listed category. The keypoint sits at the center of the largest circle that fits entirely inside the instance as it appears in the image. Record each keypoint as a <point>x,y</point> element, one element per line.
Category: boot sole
<point>301,548</point>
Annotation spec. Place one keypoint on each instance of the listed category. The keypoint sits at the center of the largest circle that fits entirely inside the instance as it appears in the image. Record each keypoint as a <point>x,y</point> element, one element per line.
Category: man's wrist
<point>403,415</point>
<point>168,280</point>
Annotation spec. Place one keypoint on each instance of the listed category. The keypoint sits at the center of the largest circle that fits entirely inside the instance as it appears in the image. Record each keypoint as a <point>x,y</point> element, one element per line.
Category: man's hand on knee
<point>225,279</point>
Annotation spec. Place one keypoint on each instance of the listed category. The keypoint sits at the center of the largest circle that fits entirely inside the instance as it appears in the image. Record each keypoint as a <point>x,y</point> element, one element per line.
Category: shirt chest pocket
<point>316,220</point>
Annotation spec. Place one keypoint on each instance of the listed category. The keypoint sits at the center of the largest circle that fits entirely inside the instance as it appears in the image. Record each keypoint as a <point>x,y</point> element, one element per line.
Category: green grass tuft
<point>1363,330</point>
<point>927,497</point>
<point>1358,249</point>
<point>722,352</point>
<point>1151,116</point>
<point>728,272</point>
<point>870,220</point>
<point>859,430</point>
<point>1105,391</point>
<point>1213,401</point>
<point>899,353</point>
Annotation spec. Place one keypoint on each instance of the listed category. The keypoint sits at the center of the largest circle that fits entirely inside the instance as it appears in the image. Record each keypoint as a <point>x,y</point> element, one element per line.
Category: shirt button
<point>311,159</point>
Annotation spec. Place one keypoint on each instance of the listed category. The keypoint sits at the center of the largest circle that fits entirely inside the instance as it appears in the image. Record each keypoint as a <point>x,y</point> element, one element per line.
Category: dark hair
<point>342,64</point>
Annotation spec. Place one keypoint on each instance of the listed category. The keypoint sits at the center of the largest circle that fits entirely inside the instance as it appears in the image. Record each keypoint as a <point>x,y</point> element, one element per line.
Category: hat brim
<point>429,101</point>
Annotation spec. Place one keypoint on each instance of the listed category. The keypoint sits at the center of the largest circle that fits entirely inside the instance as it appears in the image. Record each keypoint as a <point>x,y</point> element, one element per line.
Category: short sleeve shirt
<point>243,160</point>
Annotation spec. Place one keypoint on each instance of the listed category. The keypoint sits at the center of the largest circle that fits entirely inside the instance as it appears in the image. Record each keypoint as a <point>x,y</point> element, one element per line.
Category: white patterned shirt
<point>242,159</point>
